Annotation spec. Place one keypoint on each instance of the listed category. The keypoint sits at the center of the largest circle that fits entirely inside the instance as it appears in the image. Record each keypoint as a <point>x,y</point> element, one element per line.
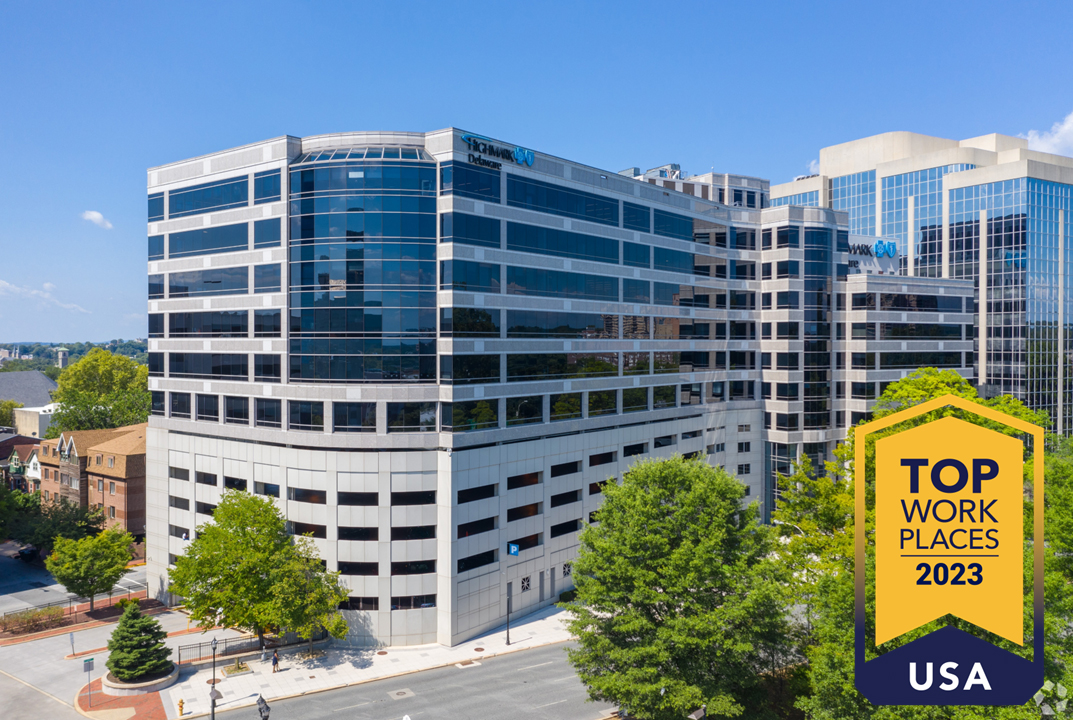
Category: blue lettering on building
<point>483,146</point>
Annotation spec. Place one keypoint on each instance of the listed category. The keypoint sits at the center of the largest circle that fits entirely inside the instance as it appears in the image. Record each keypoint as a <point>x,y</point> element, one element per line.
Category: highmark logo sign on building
<point>482,146</point>
<point>878,249</point>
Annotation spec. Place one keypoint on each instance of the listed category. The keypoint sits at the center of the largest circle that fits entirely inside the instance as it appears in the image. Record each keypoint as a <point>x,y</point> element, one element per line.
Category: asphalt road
<point>24,585</point>
<point>22,702</point>
<point>536,684</point>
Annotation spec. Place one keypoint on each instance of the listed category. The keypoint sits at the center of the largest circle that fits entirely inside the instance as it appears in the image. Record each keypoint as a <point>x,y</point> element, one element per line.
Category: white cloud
<point>97,219</point>
<point>43,296</point>
<point>1057,140</point>
<point>814,167</point>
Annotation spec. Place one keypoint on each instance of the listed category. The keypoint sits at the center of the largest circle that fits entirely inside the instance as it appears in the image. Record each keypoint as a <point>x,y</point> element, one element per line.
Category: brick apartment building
<point>116,474</point>
<point>99,468</point>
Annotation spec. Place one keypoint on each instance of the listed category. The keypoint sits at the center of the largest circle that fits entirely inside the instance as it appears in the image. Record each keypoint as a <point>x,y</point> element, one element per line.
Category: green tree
<point>41,523</point>
<point>91,565</point>
<point>226,574</point>
<point>136,648</point>
<point>306,595</point>
<point>675,606</point>
<point>101,391</point>
<point>820,559</point>
<point>7,412</point>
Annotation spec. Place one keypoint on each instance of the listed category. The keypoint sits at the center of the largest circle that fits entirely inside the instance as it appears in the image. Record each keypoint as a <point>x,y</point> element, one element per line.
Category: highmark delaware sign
<point>481,146</point>
<point>877,249</point>
<point>948,540</point>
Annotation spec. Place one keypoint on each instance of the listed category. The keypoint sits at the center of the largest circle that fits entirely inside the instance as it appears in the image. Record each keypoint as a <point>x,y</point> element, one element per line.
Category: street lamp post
<point>212,693</point>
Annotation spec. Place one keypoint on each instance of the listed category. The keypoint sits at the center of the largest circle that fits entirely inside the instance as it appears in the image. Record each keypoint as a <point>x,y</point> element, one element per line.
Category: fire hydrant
<point>180,708</point>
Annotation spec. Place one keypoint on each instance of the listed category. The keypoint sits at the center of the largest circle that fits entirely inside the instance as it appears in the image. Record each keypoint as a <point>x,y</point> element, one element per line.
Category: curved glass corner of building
<point>363,266</point>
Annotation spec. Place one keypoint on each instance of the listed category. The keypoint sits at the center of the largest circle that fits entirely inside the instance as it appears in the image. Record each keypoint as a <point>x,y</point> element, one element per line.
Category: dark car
<point>28,554</point>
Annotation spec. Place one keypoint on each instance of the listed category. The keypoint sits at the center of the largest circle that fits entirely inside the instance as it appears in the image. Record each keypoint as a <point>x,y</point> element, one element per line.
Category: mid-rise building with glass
<point>986,209</point>
<point>433,349</point>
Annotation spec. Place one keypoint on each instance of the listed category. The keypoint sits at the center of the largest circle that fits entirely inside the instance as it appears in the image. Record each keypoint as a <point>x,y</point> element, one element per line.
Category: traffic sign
<point>512,549</point>
<point>87,665</point>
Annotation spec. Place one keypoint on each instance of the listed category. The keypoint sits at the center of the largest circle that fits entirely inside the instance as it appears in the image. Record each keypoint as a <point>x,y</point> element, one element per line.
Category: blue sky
<point>95,93</point>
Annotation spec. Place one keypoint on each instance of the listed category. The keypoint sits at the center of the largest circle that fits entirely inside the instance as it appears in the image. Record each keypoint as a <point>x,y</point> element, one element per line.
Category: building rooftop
<point>32,388</point>
<point>128,440</point>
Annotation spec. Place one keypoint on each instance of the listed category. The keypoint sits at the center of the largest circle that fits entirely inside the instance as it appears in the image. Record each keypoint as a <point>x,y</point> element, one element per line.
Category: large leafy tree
<point>41,523</point>
<point>226,574</point>
<point>816,519</point>
<point>136,648</point>
<point>101,391</point>
<point>306,595</point>
<point>245,570</point>
<point>7,412</point>
<point>675,606</point>
<point>91,565</point>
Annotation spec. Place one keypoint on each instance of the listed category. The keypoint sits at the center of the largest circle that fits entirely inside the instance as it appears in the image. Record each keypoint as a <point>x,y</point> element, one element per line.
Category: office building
<point>949,203</point>
<point>432,349</point>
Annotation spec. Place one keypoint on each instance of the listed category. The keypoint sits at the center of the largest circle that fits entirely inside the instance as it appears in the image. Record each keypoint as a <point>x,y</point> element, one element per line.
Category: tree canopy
<point>675,606</point>
<point>91,565</point>
<point>245,570</point>
<point>40,523</point>
<point>7,412</point>
<point>816,520</point>
<point>101,391</point>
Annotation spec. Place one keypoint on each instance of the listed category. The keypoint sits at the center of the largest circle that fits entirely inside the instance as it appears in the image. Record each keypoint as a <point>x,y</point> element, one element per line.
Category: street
<point>24,585</point>
<point>536,684</point>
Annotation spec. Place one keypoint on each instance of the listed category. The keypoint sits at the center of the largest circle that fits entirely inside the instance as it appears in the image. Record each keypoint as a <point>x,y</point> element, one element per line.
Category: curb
<point>177,633</point>
<point>377,679</point>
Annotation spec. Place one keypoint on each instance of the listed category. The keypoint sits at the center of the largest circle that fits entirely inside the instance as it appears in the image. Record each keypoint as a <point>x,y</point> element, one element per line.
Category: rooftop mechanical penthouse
<point>428,346</point>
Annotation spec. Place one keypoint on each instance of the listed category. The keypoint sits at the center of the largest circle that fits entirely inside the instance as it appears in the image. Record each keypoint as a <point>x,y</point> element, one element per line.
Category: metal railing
<point>240,646</point>
<point>71,610</point>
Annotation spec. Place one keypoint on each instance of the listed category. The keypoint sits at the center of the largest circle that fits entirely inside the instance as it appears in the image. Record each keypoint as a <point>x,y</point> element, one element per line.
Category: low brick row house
<point>99,468</point>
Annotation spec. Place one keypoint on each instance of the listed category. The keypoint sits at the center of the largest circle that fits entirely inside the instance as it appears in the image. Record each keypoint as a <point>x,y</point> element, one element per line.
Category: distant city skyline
<point>96,97</point>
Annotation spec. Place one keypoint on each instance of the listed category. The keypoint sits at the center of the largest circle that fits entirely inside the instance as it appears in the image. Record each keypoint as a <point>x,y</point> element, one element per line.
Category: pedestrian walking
<point>275,660</point>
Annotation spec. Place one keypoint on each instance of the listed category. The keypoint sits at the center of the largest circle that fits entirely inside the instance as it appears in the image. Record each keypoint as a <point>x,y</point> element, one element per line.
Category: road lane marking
<point>34,687</point>
<point>350,707</point>
<point>549,704</point>
<point>568,677</point>
<point>534,666</point>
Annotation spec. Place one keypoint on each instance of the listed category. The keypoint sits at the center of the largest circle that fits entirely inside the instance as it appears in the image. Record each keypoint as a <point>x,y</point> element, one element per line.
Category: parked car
<point>28,554</point>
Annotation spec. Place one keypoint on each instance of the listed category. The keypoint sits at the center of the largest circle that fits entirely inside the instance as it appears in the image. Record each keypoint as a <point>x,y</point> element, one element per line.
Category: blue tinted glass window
<point>466,275</point>
<point>266,187</point>
<point>673,260</point>
<point>267,368</point>
<point>218,195</point>
<point>470,229</point>
<point>216,281</point>
<point>266,233</point>
<point>636,291</point>
<point>156,247</point>
<point>266,323</point>
<point>156,325</point>
<point>674,226</point>
<point>156,207</point>
<point>156,286</point>
<point>553,283</point>
<point>636,255</point>
<point>207,241</point>
<point>636,217</point>
<point>470,181</point>
<point>208,365</point>
<point>557,200</point>
<point>266,278</point>
<point>220,323</point>
<point>560,243</point>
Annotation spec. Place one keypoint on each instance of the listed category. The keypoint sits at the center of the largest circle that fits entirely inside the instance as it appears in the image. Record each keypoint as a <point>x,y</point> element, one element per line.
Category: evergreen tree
<point>137,648</point>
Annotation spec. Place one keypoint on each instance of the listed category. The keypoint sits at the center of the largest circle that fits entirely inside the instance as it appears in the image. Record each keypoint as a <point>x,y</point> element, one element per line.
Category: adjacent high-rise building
<point>986,209</point>
<point>433,349</point>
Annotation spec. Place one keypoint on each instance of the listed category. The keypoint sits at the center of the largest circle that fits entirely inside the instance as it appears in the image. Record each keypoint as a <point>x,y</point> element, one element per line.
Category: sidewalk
<point>343,666</point>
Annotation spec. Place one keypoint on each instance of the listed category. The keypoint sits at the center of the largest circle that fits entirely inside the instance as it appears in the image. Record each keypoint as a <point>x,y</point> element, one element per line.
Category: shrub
<point>567,596</point>
<point>121,605</point>
<point>32,620</point>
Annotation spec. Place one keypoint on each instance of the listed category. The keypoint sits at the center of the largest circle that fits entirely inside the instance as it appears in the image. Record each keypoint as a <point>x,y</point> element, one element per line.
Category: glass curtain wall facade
<point>856,194</point>
<point>362,269</point>
<point>925,187</point>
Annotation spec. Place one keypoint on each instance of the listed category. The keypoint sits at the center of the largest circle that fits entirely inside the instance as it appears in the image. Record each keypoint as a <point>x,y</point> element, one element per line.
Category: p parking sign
<point>949,540</point>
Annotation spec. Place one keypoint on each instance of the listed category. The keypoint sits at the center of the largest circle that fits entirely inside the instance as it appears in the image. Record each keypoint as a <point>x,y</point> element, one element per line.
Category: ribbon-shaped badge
<point>949,529</point>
